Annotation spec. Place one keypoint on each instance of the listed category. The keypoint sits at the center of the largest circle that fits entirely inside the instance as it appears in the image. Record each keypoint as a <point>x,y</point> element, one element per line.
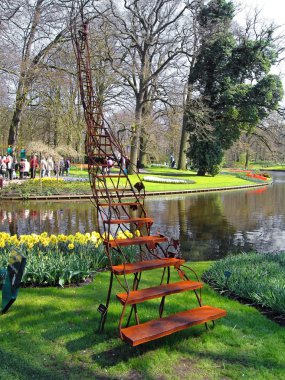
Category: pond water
<point>209,225</point>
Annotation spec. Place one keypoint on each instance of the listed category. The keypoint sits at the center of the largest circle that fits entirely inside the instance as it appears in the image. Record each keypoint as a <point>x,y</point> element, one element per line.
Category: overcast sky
<point>271,10</point>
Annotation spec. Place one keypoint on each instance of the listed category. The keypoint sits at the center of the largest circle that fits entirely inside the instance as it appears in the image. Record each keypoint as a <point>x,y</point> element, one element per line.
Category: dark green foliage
<point>206,156</point>
<point>257,277</point>
<point>216,10</point>
<point>56,267</point>
<point>232,87</point>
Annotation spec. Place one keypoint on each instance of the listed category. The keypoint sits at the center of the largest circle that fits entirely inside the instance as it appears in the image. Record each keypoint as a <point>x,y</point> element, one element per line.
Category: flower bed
<point>58,259</point>
<point>250,174</point>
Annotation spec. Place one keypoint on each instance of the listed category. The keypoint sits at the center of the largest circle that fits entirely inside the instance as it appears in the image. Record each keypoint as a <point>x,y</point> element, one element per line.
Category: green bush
<point>257,277</point>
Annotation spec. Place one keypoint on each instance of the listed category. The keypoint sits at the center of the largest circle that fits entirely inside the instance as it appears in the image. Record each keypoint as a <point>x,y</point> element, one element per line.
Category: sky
<point>271,10</point>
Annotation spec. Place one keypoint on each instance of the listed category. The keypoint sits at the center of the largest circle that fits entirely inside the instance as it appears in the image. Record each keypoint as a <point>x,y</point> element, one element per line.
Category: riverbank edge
<point>79,197</point>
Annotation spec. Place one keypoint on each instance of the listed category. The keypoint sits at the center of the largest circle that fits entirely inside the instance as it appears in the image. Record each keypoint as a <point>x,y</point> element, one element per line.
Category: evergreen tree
<point>232,82</point>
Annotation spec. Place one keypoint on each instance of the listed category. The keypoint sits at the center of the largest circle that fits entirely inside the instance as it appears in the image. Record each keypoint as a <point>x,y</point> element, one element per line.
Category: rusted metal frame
<point>121,320</point>
<point>199,298</point>
<point>91,122</point>
<point>136,281</point>
<point>162,302</point>
<point>127,288</point>
<point>104,316</point>
<point>161,248</point>
<point>134,307</point>
<point>184,276</point>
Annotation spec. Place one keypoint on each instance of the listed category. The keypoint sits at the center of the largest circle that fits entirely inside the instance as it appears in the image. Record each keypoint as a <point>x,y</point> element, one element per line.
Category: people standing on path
<point>43,166</point>
<point>9,163</point>
<point>26,168</point>
<point>110,164</point>
<point>22,168</point>
<point>34,164</point>
<point>138,165</point>
<point>66,166</point>
<point>56,168</point>
<point>50,166</point>
<point>3,166</point>
<point>172,161</point>
<point>61,167</point>
<point>15,168</point>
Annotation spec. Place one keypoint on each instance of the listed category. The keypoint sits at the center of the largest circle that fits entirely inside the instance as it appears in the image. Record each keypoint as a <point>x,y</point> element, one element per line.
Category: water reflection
<point>209,226</point>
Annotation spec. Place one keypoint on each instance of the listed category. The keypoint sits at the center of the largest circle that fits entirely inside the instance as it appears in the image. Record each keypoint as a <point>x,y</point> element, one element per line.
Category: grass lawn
<point>279,167</point>
<point>201,182</point>
<point>28,188</point>
<point>50,333</point>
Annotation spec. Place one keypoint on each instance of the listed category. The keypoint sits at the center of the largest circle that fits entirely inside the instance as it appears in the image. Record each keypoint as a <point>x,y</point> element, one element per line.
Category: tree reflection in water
<point>209,225</point>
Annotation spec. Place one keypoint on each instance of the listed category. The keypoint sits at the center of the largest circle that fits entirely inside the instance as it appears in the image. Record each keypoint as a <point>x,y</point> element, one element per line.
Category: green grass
<point>257,277</point>
<point>51,334</point>
<point>277,167</point>
<point>28,188</point>
<point>201,182</point>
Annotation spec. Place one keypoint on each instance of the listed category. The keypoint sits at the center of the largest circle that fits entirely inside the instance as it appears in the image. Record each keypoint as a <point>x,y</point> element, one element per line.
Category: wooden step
<point>151,241</point>
<point>142,266</point>
<point>138,296</point>
<point>158,328</point>
<point>137,221</point>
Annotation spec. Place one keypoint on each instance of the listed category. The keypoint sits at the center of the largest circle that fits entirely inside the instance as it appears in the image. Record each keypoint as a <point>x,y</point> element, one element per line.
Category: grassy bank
<point>29,188</point>
<point>51,334</point>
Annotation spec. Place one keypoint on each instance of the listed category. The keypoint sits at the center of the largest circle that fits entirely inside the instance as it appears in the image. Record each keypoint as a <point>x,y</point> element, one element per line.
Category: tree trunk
<point>21,99</point>
<point>143,147</point>
<point>134,149</point>
<point>182,149</point>
<point>247,156</point>
<point>135,140</point>
<point>184,133</point>
<point>201,172</point>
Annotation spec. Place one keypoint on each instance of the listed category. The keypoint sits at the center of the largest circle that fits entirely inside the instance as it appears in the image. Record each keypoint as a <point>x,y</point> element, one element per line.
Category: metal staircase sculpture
<point>119,204</point>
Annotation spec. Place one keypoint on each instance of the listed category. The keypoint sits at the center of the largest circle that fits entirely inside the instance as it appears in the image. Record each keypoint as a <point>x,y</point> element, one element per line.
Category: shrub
<point>257,277</point>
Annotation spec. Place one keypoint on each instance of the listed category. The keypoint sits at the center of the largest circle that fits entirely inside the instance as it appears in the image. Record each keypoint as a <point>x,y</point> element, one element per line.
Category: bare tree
<point>32,31</point>
<point>147,41</point>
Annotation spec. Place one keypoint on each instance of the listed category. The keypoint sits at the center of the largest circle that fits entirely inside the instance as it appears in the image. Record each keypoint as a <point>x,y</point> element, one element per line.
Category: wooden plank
<point>141,266</point>
<point>158,328</point>
<point>138,296</point>
<point>149,240</point>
